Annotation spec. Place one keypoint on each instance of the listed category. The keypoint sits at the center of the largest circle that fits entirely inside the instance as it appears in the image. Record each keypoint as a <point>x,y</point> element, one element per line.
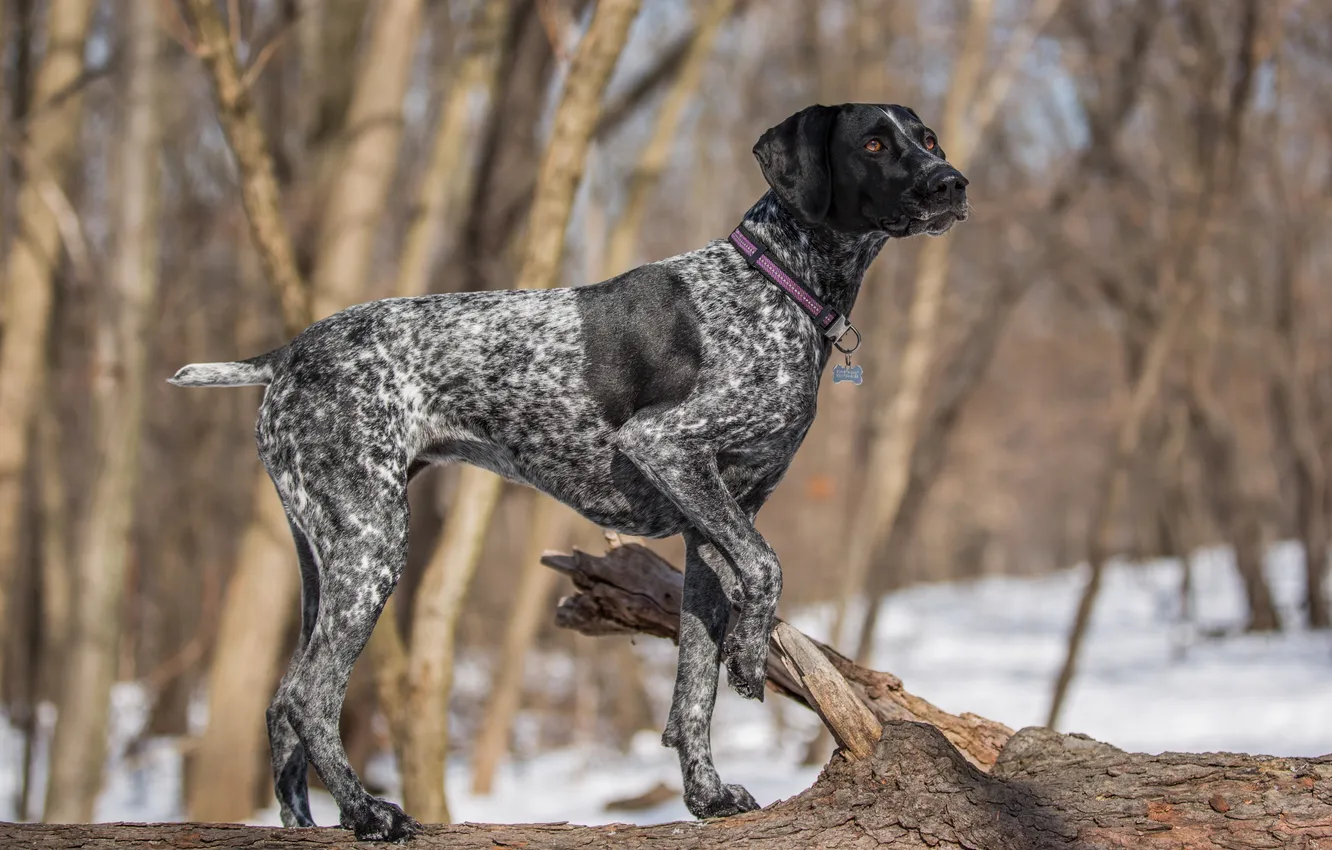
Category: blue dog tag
<point>847,373</point>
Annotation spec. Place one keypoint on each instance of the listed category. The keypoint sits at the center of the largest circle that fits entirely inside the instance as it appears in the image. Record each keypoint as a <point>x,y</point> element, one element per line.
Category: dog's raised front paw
<point>730,800</point>
<point>380,820</point>
<point>746,668</point>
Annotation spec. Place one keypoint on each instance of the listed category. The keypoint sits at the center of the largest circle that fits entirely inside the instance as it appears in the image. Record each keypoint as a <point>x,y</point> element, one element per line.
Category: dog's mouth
<point>913,222</point>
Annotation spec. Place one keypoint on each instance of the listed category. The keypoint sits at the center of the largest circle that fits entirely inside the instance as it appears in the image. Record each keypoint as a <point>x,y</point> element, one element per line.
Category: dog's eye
<point>874,146</point>
<point>930,142</point>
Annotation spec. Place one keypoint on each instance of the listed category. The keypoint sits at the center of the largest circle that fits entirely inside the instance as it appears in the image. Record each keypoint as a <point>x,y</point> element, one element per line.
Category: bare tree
<point>1181,290</point>
<point>79,748</point>
<point>1293,421</point>
<point>430,658</point>
<point>448,176</point>
<point>549,526</point>
<point>969,108</point>
<point>656,154</point>
<point>222,785</point>
<point>550,520</point>
<point>49,153</point>
<point>368,160</point>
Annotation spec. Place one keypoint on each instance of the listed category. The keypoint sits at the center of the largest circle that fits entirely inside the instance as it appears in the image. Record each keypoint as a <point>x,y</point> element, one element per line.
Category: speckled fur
<point>361,400</point>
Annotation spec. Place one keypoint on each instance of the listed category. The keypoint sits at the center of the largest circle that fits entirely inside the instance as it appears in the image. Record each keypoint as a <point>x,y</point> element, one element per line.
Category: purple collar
<point>833,325</point>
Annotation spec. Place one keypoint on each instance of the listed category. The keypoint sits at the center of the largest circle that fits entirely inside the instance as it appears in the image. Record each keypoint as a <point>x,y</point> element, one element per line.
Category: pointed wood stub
<point>852,724</point>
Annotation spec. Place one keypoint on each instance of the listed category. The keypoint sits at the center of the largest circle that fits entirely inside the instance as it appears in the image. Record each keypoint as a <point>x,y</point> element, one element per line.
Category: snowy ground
<point>990,647</point>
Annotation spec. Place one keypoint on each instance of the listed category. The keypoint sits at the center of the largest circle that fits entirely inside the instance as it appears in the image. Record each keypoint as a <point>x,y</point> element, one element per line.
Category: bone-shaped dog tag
<point>853,374</point>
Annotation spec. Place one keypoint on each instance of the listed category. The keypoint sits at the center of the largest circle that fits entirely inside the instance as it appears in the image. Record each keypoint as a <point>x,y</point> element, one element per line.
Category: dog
<point>668,400</point>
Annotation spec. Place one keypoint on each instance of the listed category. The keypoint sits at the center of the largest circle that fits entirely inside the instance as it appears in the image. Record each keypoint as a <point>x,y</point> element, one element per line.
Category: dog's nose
<point>947,184</point>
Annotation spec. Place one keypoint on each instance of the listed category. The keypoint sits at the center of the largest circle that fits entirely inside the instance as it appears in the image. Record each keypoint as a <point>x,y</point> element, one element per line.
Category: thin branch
<point>61,207</point>
<point>259,189</point>
<point>266,53</point>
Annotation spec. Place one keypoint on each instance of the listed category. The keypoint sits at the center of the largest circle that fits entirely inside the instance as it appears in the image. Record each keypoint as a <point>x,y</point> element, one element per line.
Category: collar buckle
<point>839,330</point>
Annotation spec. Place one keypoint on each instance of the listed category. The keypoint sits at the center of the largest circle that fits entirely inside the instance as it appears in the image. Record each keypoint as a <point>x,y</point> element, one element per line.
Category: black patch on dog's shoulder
<point>641,341</point>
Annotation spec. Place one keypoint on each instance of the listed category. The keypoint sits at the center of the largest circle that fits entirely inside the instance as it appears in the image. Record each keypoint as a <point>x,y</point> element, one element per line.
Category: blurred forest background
<point>1126,350</point>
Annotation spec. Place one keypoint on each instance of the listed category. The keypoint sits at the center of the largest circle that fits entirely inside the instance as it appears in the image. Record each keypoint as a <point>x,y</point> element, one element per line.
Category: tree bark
<point>1297,440</point>
<point>225,770</point>
<point>1210,175</point>
<point>957,381</point>
<point>1046,792</point>
<point>78,750</point>
<point>1234,510</point>
<point>430,652</point>
<point>52,141</point>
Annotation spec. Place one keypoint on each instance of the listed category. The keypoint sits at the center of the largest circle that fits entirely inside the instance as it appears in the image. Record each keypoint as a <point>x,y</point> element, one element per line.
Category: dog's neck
<point>829,264</point>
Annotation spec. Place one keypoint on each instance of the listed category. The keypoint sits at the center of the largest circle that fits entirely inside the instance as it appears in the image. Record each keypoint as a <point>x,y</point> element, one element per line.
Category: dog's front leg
<point>685,470</point>
<point>704,611</point>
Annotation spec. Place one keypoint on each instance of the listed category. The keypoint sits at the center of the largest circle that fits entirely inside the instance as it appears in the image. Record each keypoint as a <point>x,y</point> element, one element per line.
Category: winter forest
<point>1084,484</point>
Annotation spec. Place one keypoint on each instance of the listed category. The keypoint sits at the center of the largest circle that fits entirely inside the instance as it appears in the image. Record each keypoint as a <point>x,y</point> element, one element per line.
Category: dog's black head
<point>863,167</point>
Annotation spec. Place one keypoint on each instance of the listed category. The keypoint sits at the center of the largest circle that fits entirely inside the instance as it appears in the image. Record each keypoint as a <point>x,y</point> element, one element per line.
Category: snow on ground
<point>991,646</point>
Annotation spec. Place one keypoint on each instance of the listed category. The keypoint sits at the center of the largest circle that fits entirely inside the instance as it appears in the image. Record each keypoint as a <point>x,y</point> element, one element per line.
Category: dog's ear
<point>794,159</point>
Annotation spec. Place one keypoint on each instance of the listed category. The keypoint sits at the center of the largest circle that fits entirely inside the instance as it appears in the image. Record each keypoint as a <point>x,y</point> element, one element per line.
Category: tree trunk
<point>449,177</point>
<point>52,145</point>
<point>549,526</point>
<point>258,186</point>
<point>1235,513</point>
<point>501,194</point>
<point>896,783</point>
<point>57,579</point>
<point>1143,397</point>
<point>1209,175</point>
<point>896,424</point>
<point>646,176</point>
<point>430,653</point>
<point>447,180</point>
<point>1048,792</point>
<point>355,206</point>
<point>957,381</point>
<point>423,751</point>
<point>78,751</point>
<point>225,770</point>
<point>259,604</point>
<point>1297,439</point>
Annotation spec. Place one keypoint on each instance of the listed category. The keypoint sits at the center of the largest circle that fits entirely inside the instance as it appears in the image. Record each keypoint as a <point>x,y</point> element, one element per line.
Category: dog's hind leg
<point>288,756</point>
<point>704,611</point>
<point>357,529</point>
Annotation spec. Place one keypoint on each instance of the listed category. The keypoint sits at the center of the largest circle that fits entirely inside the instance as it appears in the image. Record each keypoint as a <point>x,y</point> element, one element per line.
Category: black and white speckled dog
<point>669,400</point>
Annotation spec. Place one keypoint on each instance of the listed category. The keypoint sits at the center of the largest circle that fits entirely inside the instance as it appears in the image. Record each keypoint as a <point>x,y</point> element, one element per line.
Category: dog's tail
<point>257,371</point>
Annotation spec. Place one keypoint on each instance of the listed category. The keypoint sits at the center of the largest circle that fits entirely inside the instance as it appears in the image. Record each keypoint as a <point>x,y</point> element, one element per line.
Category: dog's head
<point>861,168</point>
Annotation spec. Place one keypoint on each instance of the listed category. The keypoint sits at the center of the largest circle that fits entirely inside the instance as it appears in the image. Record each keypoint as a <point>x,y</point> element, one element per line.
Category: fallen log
<point>632,589</point>
<point>1047,791</point>
<point>908,775</point>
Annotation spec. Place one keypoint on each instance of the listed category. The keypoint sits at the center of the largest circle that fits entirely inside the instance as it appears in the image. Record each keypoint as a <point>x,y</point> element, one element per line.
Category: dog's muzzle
<point>935,204</point>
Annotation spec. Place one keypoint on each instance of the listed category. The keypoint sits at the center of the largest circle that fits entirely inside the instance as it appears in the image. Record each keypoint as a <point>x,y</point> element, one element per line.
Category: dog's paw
<point>746,669</point>
<point>380,820</point>
<point>728,800</point>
